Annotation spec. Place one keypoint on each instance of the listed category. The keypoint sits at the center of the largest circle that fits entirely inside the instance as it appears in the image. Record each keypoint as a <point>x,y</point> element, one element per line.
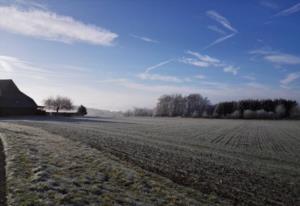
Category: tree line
<point>195,105</point>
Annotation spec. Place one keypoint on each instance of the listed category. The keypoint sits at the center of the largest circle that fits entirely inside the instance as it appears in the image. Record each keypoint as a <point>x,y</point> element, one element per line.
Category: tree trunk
<point>57,109</point>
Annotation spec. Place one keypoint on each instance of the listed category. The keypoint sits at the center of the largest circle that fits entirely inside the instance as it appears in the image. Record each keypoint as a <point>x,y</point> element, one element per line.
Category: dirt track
<point>2,176</point>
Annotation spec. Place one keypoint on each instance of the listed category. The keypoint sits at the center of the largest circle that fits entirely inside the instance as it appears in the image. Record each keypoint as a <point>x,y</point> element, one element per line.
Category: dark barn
<point>13,101</point>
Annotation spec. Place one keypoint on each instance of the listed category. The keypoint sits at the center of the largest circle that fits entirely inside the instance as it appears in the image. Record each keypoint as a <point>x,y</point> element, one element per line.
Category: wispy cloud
<point>263,51</point>
<point>204,58</point>
<point>147,75</point>
<point>148,69</point>
<point>231,69</point>
<point>221,20</point>
<point>201,61</point>
<point>220,40</point>
<point>159,77</point>
<point>216,29</point>
<point>289,11</point>
<point>200,76</point>
<point>290,78</point>
<point>11,67</point>
<point>276,57</point>
<point>269,4</point>
<point>117,93</point>
<point>205,61</point>
<point>51,26</point>
<point>249,77</point>
<point>143,38</point>
<point>31,3</point>
<point>257,85</point>
<point>283,59</point>
<point>225,23</point>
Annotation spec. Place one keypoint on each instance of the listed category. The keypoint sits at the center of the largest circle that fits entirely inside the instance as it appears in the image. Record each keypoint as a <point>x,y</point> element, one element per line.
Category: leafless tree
<point>59,103</point>
<point>195,104</point>
<point>176,105</point>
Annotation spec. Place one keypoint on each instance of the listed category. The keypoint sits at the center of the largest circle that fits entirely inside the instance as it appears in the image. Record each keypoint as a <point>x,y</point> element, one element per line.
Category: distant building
<point>13,101</point>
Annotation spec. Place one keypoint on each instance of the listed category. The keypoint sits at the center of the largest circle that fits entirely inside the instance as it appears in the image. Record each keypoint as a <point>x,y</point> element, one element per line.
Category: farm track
<point>247,163</point>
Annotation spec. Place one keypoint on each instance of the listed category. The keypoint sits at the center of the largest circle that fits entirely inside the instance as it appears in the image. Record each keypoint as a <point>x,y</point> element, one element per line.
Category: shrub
<point>262,114</point>
<point>236,114</point>
<point>280,111</point>
<point>249,114</point>
<point>81,110</point>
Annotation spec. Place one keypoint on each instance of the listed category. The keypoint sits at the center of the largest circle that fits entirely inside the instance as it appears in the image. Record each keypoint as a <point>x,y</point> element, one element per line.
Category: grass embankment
<point>2,175</point>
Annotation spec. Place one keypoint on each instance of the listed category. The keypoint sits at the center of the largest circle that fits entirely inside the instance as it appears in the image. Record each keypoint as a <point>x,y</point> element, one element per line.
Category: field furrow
<point>243,162</point>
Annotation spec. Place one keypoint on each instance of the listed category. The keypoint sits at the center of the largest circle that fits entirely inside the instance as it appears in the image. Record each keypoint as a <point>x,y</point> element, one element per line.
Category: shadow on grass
<point>65,119</point>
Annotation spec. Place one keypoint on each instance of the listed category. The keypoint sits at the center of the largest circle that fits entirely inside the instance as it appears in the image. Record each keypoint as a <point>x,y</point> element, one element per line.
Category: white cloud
<point>204,58</point>
<point>158,65</point>
<point>290,78</point>
<point>221,19</point>
<point>289,11</point>
<point>220,40</point>
<point>143,38</point>
<point>10,65</point>
<point>225,23</point>
<point>51,26</point>
<point>216,29</point>
<point>159,77</point>
<point>283,59</point>
<point>31,3</point>
<point>231,69</point>
<point>40,82</point>
<point>249,77</point>
<point>200,76</point>
<point>276,57</point>
<point>201,61</point>
<point>263,51</point>
<point>205,61</point>
<point>146,75</point>
<point>269,4</point>
<point>256,85</point>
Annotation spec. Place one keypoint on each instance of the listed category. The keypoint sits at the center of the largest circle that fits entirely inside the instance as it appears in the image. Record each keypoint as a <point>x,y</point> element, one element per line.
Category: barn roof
<point>12,97</point>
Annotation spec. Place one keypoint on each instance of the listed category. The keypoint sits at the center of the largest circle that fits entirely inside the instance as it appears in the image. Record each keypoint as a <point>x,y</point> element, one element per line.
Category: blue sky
<point>116,54</point>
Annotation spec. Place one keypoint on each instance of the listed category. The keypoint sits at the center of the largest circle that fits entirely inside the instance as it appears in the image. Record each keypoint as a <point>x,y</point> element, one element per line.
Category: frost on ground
<point>242,162</point>
<point>47,169</point>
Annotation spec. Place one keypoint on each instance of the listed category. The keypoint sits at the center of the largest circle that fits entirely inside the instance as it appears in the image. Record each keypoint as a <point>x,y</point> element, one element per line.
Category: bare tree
<point>59,103</point>
<point>195,104</point>
<point>176,105</point>
<point>163,105</point>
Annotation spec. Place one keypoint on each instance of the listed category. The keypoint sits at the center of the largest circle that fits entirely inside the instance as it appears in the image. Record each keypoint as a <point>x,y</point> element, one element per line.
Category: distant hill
<point>102,113</point>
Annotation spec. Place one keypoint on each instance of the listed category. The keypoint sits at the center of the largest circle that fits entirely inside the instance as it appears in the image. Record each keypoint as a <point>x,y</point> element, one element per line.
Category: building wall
<point>17,111</point>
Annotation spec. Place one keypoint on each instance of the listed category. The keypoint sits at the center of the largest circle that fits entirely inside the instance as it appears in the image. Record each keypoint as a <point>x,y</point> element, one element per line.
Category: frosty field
<point>151,161</point>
